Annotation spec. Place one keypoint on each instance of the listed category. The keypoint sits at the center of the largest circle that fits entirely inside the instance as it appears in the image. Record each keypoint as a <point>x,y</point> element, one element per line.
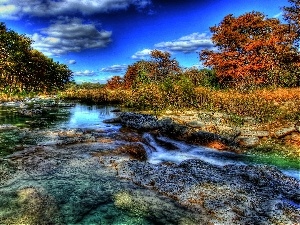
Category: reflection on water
<point>84,116</point>
<point>24,133</point>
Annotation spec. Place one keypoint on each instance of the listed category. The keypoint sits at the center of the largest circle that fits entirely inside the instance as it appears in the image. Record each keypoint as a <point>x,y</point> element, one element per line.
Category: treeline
<point>250,51</point>
<point>256,65</point>
<point>23,69</point>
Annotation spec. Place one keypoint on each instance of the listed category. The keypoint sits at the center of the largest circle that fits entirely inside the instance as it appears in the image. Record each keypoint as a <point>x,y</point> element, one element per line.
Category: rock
<point>7,127</point>
<point>284,131</point>
<point>31,112</point>
<point>236,194</point>
<point>112,120</point>
<point>207,139</point>
<point>195,124</point>
<point>139,121</point>
<point>229,132</point>
<point>256,133</point>
<point>247,141</point>
<point>116,110</point>
<point>136,151</point>
<point>170,128</point>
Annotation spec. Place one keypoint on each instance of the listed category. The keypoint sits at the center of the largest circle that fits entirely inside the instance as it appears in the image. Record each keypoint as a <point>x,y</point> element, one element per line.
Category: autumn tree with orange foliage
<point>115,82</point>
<point>253,50</point>
<point>163,65</point>
<point>159,67</point>
<point>137,73</point>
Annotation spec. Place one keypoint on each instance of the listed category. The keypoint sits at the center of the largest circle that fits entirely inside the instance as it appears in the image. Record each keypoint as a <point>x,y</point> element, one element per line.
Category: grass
<point>264,105</point>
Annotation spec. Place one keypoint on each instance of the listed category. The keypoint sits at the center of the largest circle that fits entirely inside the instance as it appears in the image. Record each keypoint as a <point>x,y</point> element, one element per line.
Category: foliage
<point>26,69</point>
<point>280,104</point>
<point>292,16</point>
<point>159,68</point>
<point>115,82</point>
<point>252,50</point>
<point>137,73</point>
<point>163,65</point>
<point>203,77</point>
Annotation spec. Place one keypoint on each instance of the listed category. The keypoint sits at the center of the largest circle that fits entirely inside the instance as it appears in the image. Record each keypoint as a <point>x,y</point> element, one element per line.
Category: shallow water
<point>75,189</point>
<point>160,149</point>
<point>157,153</point>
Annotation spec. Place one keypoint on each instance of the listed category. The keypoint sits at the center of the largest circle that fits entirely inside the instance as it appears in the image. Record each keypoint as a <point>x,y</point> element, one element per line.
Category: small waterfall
<point>162,149</point>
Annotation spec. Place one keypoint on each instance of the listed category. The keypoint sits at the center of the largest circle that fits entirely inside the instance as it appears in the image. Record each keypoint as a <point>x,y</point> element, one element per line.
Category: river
<point>92,116</point>
<point>75,189</point>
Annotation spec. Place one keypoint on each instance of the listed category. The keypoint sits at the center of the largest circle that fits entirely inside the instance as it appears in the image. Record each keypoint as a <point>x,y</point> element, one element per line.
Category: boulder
<point>256,133</point>
<point>139,121</point>
<point>284,131</point>
<point>170,128</point>
<point>247,141</point>
<point>135,151</point>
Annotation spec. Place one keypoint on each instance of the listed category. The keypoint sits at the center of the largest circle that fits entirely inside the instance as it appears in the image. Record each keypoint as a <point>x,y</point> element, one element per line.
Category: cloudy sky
<point>100,38</point>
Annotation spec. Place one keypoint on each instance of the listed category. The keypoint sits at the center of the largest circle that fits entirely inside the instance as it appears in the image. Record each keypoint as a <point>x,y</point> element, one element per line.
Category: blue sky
<point>98,39</point>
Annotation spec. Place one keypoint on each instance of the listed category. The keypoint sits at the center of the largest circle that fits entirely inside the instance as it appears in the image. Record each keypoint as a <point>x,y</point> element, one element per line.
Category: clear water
<point>77,116</point>
<point>92,116</point>
<point>77,190</point>
<point>157,153</point>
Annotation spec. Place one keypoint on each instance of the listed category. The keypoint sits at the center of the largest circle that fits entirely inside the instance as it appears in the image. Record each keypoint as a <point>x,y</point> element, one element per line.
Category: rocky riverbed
<point>97,176</point>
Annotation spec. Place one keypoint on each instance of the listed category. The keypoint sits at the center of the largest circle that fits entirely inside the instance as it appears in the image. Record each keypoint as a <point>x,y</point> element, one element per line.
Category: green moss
<point>278,154</point>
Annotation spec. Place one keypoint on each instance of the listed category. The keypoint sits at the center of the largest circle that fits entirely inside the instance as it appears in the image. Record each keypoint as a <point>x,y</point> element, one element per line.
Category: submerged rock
<point>31,112</point>
<point>231,194</point>
<point>7,127</point>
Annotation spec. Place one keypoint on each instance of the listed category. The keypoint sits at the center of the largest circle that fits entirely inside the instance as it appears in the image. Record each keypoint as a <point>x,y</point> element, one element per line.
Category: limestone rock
<point>238,194</point>
<point>284,131</point>
<point>195,124</point>
<point>139,121</point>
<point>247,141</point>
<point>256,133</point>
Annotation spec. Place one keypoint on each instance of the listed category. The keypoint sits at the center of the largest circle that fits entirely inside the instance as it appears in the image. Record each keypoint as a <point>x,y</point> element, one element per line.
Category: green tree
<point>292,16</point>
<point>26,69</point>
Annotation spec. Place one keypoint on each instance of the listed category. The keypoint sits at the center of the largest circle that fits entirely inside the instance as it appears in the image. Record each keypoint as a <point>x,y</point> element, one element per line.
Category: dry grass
<point>262,104</point>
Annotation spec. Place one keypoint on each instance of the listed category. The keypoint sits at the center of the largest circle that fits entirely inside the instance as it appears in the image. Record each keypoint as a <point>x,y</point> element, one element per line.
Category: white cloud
<point>141,54</point>
<point>85,73</point>
<point>115,69</point>
<point>187,44</point>
<point>67,7</point>
<point>70,35</point>
<point>7,11</point>
<point>72,61</point>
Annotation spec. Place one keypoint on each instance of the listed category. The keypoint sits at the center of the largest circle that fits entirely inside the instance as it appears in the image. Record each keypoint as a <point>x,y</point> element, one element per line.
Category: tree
<point>115,82</point>
<point>137,73</point>
<point>158,68</point>
<point>292,16</point>
<point>163,65</point>
<point>252,50</point>
<point>23,68</point>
